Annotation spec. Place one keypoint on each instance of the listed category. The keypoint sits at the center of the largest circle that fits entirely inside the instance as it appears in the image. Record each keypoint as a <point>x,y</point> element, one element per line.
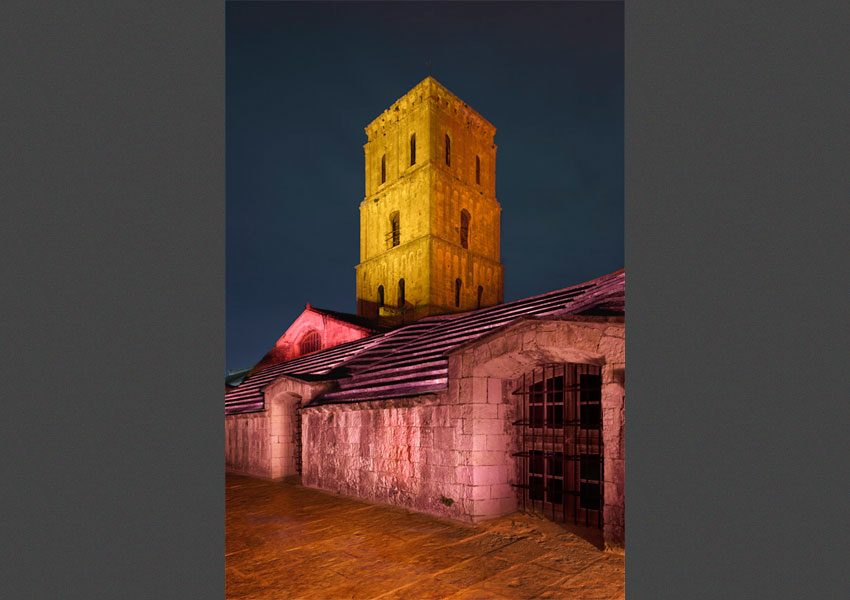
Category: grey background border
<point>113,315</point>
<point>113,289</point>
<point>736,251</point>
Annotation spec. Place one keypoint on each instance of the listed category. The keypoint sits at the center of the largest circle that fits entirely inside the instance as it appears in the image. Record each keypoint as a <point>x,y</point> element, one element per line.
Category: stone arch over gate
<point>480,375</point>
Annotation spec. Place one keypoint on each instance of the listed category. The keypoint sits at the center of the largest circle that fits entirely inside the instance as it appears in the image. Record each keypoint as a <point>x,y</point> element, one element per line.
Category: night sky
<point>303,80</point>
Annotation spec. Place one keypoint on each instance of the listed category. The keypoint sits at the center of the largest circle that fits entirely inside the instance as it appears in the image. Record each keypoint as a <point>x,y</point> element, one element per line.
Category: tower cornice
<point>429,90</point>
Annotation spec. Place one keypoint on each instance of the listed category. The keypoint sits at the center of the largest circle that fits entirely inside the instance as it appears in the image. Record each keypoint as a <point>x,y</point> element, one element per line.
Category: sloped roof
<point>411,360</point>
<point>248,396</point>
<point>234,378</point>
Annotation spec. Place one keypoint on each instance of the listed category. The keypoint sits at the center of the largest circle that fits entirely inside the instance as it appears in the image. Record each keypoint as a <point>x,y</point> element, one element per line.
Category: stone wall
<point>401,452</point>
<point>422,453</point>
<point>264,444</point>
<point>248,444</point>
<point>612,344</point>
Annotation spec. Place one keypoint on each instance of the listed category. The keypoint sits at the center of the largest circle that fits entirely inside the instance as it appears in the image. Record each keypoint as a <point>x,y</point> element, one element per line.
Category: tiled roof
<point>234,378</point>
<point>248,396</point>
<point>412,359</point>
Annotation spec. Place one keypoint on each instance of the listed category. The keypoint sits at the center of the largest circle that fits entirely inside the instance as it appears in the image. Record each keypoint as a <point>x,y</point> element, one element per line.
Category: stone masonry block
<point>490,426</point>
<point>495,393</point>
<point>478,391</point>
<point>464,475</point>
<point>504,490</point>
<point>478,492</point>
<point>464,442</point>
<point>487,458</point>
<point>499,443</point>
<point>490,475</point>
<point>613,349</point>
<point>485,411</point>
<point>615,331</point>
<point>497,346</point>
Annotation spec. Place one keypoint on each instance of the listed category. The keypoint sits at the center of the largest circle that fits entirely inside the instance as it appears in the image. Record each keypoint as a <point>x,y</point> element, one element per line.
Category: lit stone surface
<point>264,444</point>
<point>287,541</point>
<point>429,197</point>
<point>330,331</point>
<point>451,454</point>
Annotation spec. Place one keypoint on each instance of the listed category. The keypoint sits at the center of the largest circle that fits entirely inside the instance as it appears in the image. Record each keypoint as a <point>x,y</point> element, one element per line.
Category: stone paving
<point>287,541</point>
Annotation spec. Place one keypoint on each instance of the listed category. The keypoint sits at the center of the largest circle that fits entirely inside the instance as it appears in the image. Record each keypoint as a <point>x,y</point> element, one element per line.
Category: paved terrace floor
<point>286,541</point>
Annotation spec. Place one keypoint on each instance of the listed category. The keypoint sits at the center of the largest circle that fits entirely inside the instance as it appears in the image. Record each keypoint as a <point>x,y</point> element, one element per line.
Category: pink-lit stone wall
<point>490,458</point>
<point>613,436</point>
<point>264,444</point>
<point>407,452</point>
<point>332,332</point>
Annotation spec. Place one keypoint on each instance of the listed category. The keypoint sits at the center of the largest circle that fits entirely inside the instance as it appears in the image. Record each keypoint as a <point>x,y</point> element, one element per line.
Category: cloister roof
<point>412,359</point>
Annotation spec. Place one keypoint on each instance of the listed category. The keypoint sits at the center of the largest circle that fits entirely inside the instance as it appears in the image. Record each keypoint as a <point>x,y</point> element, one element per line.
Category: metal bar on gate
<point>533,436</point>
<point>575,447</point>
<point>522,438</point>
<point>564,463</point>
<point>545,434</point>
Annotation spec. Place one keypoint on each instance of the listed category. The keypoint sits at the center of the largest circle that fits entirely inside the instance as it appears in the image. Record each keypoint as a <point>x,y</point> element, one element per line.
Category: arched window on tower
<point>480,294</point>
<point>311,342</point>
<point>477,170</point>
<point>384,168</point>
<point>395,231</point>
<point>380,296</point>
<point>413,149</point>
<point>464,228</point>
<point>457,292</point>
<point>448,150</point>
<point>401,293</point>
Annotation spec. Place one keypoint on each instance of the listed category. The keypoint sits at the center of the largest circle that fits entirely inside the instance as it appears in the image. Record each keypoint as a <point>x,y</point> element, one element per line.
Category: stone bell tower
<point>429,224</point>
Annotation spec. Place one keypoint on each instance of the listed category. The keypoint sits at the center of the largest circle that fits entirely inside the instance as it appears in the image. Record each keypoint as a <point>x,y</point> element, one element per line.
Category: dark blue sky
<point>303,80</point>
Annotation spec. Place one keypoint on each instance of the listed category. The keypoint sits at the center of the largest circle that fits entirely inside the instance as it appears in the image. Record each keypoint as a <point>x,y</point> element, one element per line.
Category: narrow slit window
<point>480,294</point>
<point>384,168</point>
<point>464,228</point>
<point>380,296</point>
<point>413,149</point>
<point>395,231</point>
<point>448,150</point>
<point>401,293</point>
<point>458,283</point>
<point>477,170</point>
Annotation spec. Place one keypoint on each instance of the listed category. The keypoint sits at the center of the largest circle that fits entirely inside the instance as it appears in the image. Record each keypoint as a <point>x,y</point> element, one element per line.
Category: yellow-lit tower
<point>429,224</point>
